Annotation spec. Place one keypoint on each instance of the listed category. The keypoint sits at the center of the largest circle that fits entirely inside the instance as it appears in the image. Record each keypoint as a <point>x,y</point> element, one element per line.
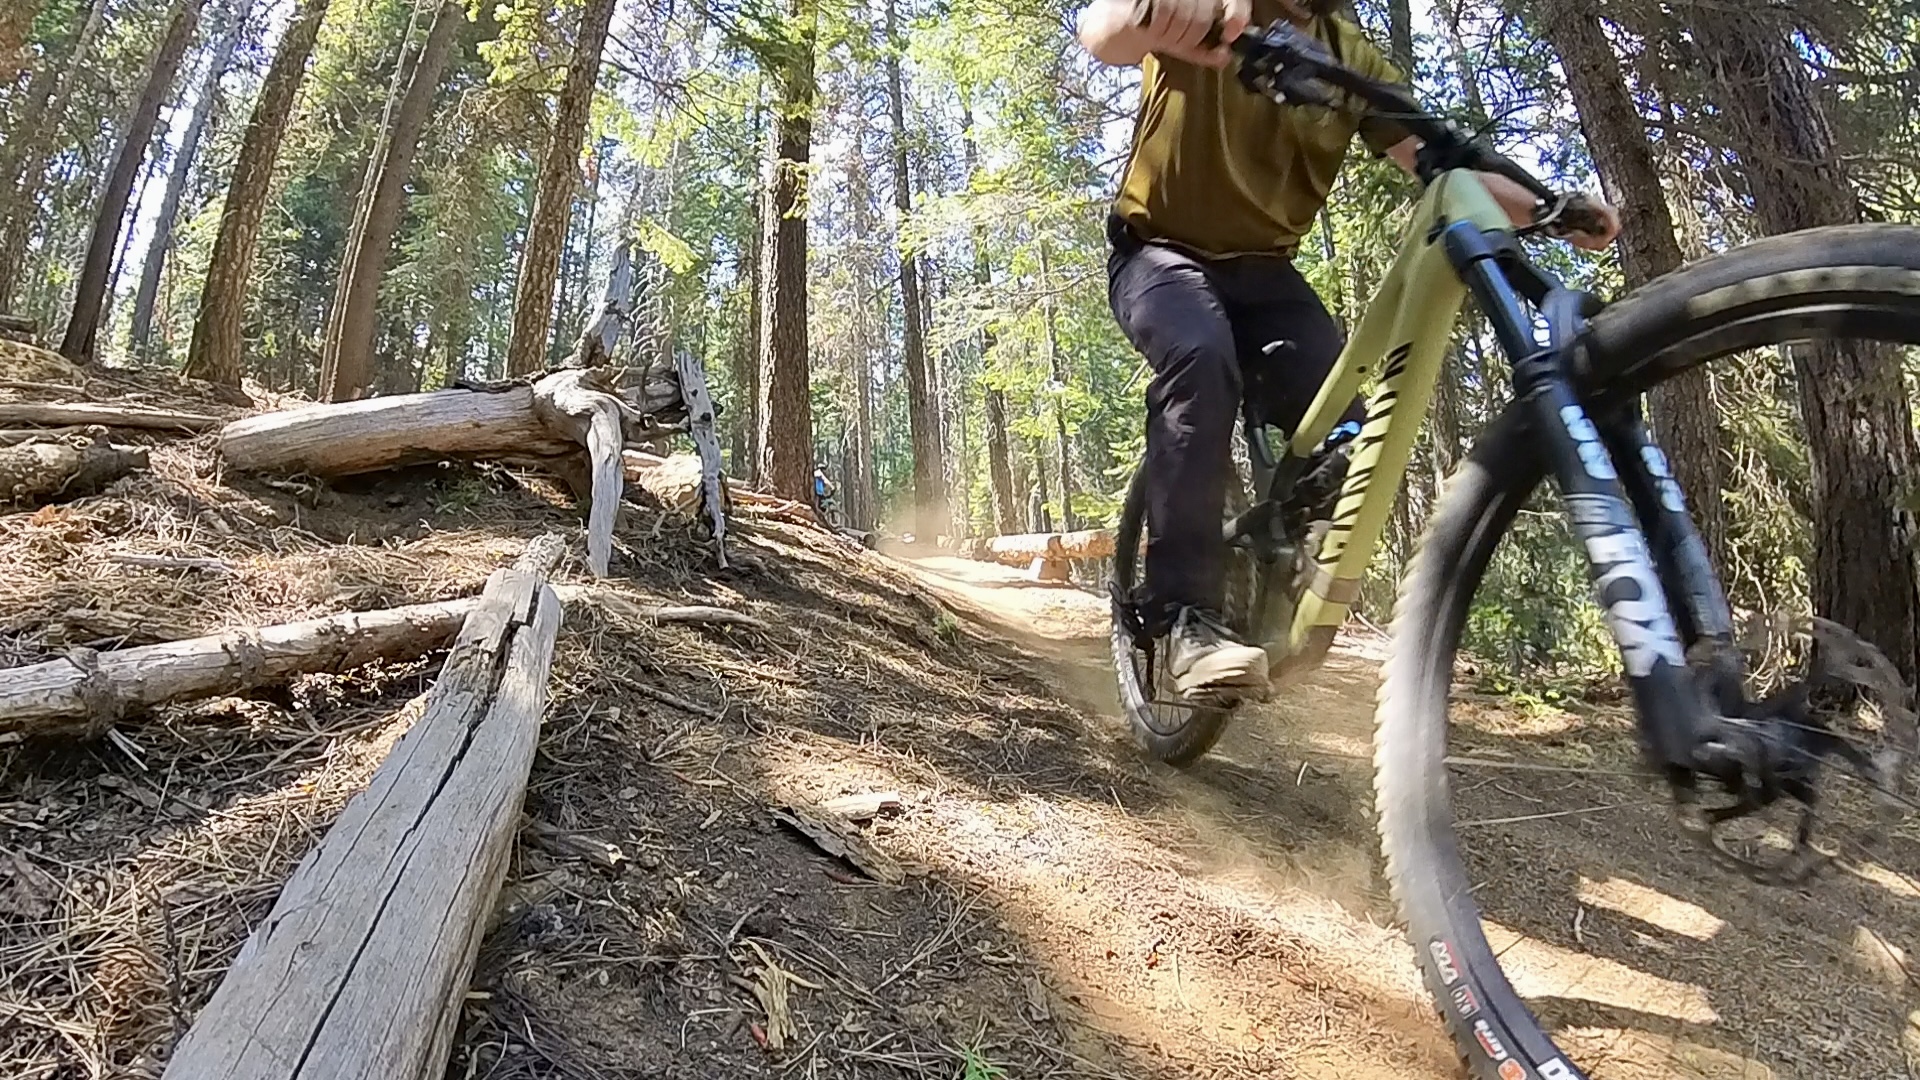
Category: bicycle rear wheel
<point>1171,731</point>
<point>1847,283</point>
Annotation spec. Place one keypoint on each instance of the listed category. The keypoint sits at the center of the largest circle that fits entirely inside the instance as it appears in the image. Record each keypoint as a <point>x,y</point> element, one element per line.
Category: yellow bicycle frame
<point>1402,339</point>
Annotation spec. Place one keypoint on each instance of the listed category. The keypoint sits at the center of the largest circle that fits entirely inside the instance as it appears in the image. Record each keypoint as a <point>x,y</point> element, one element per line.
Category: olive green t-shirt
<point>1221,170</point>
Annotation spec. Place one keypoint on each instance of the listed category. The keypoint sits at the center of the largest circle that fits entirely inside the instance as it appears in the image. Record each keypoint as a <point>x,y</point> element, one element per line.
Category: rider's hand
<point>1606,218</point>
<point>1177,28</point>
<point>1518,202</point>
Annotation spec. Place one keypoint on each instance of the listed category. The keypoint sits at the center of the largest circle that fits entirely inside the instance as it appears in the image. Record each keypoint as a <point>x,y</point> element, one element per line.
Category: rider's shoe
<point>1208,666</point>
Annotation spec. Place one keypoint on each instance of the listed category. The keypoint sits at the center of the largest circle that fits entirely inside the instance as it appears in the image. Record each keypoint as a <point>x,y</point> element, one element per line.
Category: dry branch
<point>116,416</point>
<point>361,967</point>
<point>42,470</point>
<point>89,691</point>
<point>700,413</point>
<point>575,401</point>
<point>620,608</point>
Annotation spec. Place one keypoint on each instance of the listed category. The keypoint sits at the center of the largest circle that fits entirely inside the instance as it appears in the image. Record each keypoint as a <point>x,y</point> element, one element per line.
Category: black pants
<point>1203,326</point>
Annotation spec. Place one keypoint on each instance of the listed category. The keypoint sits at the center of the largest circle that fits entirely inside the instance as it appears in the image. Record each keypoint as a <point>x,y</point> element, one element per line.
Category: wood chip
<point>863,806</point>
<point>572,845</point>
<point>26,891</point>
<point>839,839</point>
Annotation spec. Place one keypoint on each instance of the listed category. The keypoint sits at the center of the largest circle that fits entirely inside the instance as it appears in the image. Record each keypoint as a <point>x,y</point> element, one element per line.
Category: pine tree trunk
<point>1684,416</point>
<point>1400,36</point>
<point>215,354</point>
<point>16,27</point>
<point>149,291</point>
<point>90,295</point>
<point>858,493</point>
<point>29,147</point>
<point>1057,368</point>
<point>747,387</point>
<point>929,479</point>
<point>346,361</point>
<point>553,199</point>
<point>1858,421</point>
<point>786,409</point>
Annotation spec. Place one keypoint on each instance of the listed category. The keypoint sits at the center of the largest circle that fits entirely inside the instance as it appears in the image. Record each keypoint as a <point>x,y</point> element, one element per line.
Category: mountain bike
<point>1303,535</point>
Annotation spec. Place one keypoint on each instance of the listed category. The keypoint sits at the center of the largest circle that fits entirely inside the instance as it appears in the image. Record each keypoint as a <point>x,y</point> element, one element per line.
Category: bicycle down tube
<point>1404,336</point>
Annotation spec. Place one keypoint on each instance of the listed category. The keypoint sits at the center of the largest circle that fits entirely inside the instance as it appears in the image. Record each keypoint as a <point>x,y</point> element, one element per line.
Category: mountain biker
<point>1221,185</point>
<point>822,489</point>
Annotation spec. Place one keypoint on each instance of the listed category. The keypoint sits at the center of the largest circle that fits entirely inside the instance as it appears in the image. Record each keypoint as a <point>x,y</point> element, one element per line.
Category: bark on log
<point>112,416</point>
<point>383,433</point>
<point>361,967</point>
<point>1022,549</point>
<point>44,470</point>
<point>576,401</point>
<point>89,691</point>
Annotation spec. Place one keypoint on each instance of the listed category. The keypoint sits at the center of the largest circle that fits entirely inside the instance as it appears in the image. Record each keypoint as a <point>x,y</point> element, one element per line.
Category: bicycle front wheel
<point>1852,283</point>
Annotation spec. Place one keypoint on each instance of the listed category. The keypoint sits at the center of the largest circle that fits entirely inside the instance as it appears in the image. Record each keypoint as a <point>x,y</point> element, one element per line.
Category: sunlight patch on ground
<point>1541,970</point>
<point>1898,884</point>
<point>1651,906</point>
<point>1629,1052</point>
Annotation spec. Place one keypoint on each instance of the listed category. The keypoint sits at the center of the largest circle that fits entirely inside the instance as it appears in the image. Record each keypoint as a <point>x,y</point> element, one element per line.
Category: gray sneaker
<point>1207,665</point>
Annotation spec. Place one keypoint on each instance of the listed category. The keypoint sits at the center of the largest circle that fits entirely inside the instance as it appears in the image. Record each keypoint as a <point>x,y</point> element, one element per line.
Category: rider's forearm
<point>1517,201</point>
<point>1108,31</point>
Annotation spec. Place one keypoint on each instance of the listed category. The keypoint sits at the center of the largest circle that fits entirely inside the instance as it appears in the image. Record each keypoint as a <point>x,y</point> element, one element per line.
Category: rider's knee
<point>1202,369</point>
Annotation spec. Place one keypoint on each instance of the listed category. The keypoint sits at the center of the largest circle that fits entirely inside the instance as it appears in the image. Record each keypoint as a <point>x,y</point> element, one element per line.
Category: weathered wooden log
<point>361,967</point>
<point>88,692</point>
<point>1088,544</point>
<point>1021,549</point>
<point>349,437</point>
<point>53,414</point>
<point>43,470</point>
<point>576,402</point>
<point>673,481</point>
<point>700,414</point>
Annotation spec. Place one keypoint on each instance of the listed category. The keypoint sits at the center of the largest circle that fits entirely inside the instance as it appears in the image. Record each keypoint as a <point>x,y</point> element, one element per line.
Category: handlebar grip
<point>1143,14</point>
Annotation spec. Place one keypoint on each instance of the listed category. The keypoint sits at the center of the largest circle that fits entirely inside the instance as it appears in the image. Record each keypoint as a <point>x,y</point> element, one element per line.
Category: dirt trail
<point>1238,926</point>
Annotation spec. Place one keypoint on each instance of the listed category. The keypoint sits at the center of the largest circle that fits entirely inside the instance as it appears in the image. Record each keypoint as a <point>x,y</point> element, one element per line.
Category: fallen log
<point>1021,549</point>
<point>55,414</point>
<point>361,967</point>
<point>43,470</point>
<point>349,437</point>
<point>87,692</point>
<point>674,481</point>
<point>1088,544</point>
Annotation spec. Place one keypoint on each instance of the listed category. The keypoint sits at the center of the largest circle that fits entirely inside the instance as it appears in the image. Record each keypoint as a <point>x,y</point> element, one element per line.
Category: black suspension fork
<point>1599,508</point>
